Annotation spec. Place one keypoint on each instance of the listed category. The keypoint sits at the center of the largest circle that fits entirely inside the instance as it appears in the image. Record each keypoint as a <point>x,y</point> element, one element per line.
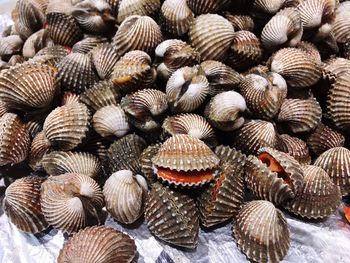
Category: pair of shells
<point>109,245</point>
<point>186,161</point>
<point>125,194</point>
<point>274,176</point>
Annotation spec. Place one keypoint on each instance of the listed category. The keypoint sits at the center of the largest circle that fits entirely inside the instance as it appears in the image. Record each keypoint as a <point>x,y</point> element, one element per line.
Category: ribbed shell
<point>296,67</point>
<point>125,195</point>
<point>136,7</point>
<point>98,244</point>
<point>319,196</point>
<point>76,72</point>
<point>341,24</point>
<point>28,85</point>
<point>172,216</point>
<point>324,138</point>
<point>146,162</point>
<point>124,154</point>
<point>51,55</point>
<point>336,162</point>
<point>223,198</point>
<point>110,121</point>
<point>88,44</point>
<point>104,57</point>
<point>40,145</point>
<point>10,45</point>
<point>35,42</point>
<point>16,59</point>
<point>206,6</point>
<point>3,108</point>
<point>261,232</point>
<point>187,89</point>
<point>239,21</point>
<point>211,35</point>
<point>254,135</point>
<point>191,124</point>
<point>176,17</point>
<point>300,115</point>
<point>334,67</point>
<point>138,33</point>
<point>57,163</point>
<point>295,147</point>
<point>66,126</point>
<point>14,140</point>
<point>22,204</point>
<point>267,7</point>
<point>310,49</point>
<point>71,201</point>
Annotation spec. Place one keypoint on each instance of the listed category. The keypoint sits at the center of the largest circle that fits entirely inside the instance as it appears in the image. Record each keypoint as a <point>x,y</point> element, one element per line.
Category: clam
<point>145,108</point>
<point>104,57</point>
<point>10,45</point>
<point>109,245</point>
<point>125,194</point>
<point>295,147</point>
<point>71,201</point>
<point>36,42</point>
<point>28,85</point>
<point>206,6</point>
<point>334,67</point>
<point>266,7</point>
<point>224,111</point>
<point>186,161</point>
<point>172,216</point>
<point>310,49</point>
<point>146,162</point>
<point>128,8</point>
<point>51,55</point>
<point>131,35</point>
<point>300,115</point>
<point>88,44</point>
<point>133,71</point>
<point>176,17</point>
<point>40,145</point>
<point>110,121</point>
<point>261,232</point>
<point>22,204</point>
<point>240,21</point>
<point>59,162</point>
<point>191,124</point>
<point>14,140</point>
<point>211,46</point>
<point>187,89</point>
<point>336,162</point>
<point>318,198</point>
<point>341,23</point>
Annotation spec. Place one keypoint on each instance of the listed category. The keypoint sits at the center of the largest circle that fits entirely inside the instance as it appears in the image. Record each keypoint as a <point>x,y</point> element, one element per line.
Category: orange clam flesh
<point>190,177</point>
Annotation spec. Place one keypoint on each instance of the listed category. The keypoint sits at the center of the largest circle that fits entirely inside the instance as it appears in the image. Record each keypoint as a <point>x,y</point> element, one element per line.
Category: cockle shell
<point>336,162</point>
<point>146,162</point>
<point>125,194</point>
<point>187,89</point>
<point>14,140</point>
<point>300,115</point>
<point>186,161</point>
<point>133,71</point>
<point>191,124</point>
<point>333,67</point>
<point>16,59</point>
<point>295,147</point>
<point>10,45</point>
<point>40,145</point>
<point>28,85</point>
<point>225,109</point>
<point>110,120</point>
<point>36,42</point>
<point>22,204</point>
<point>266,7</point>
<point>318,198</point>
<point>88,44</point>
<point>341,23</point>
<point>209,45</point>
<point>98,244</point>
<point>206,6</point>
<point>222,199</point>
<point>310,49</point>
<point>59,162</point>
<point>137,33</point>
<point>261,232</point>
<point>76,72</point>
<point>176,17</point>
<point>71,201</point>
<point>104,57</point>
<point>172,216</point>
<point>51,55</point>
<point>128,8</point>
<point>240,21</point>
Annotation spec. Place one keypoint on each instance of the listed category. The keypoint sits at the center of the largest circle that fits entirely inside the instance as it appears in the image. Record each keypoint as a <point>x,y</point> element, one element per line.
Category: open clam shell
<point>104,57</point>
<point>98,244</point>
<point>128,8</point>
<point>294,146</point>
<point>22,204</point>
<point>172,216</point>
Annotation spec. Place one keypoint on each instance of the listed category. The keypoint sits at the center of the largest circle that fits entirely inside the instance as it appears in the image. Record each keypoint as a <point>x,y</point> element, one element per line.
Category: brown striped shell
<point>59,162</point>
<point>36,42</point>
<point>172,216</point>
<point>125,195</point>
<point>333,67</point>
<point>336,162</point>
<point>88,44</point>
<point>341,23</point>
<point>261,232</point>
<point>310,49</point>
<point>240,21</point>
<point>128,8</point>
<point>71,201</point>
<point>267,7</point>
<point>98,244</point>
<point>10,45</point>
<point>209,45</point>
<point>51,55</point>
<point>39,147</point>
<point>206,6</point>
<point>146,162</point>
<point>295,147</point>
<point>300,115</point>
<point>16,59</point>
<point>104,57</point>
<point>3,108</point>
<point>22,204</point>
<point>318,198</point>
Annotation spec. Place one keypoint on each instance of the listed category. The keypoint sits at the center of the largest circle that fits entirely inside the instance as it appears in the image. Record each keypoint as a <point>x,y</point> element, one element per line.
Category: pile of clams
<point>185,114</point>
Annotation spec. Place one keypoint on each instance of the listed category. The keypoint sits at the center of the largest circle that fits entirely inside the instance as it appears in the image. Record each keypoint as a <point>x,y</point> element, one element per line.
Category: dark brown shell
<point>128,8</point>
<point>296,147</point>
<point>239,21</point>
<point>104,57</point>
<point>146,162</point>
<point>206,6</point>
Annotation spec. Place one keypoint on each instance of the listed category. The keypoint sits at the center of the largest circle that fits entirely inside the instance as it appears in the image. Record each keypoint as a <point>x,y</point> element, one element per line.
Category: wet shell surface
<point>209,45</point>
<point>336,162</point>
<point>98,244</point>
<point>261,232</point>
<point>71,201</point>
<point>172,216</point>
<point>318,198</point>
<point>22,204</point>
<point>104,57</point>
<point>295,147</point>
<point>59,162</point>
<point>125,194</point>
<point>128,8</point>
